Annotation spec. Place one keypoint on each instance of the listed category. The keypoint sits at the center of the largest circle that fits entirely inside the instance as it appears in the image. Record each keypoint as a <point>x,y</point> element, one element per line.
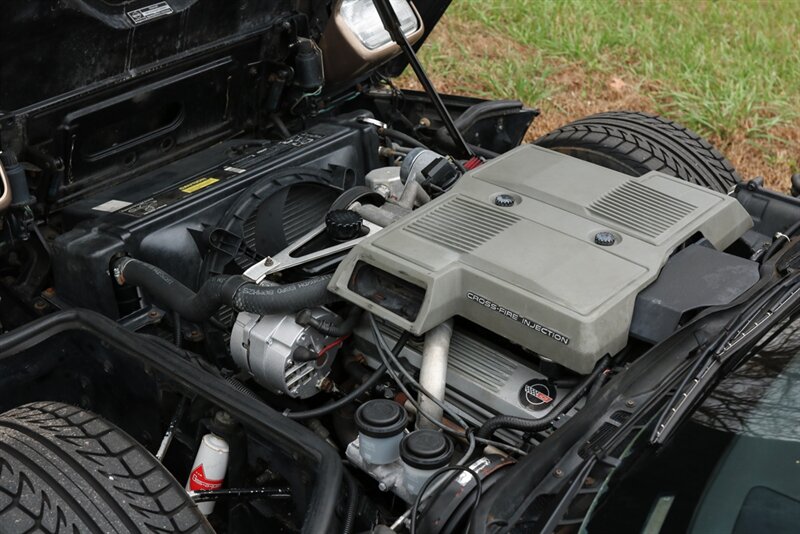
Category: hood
<point>55,49</point>
<point>82,82</point>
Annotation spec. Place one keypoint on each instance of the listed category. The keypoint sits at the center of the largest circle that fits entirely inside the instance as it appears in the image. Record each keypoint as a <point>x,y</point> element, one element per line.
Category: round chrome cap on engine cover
<point>265,346</point>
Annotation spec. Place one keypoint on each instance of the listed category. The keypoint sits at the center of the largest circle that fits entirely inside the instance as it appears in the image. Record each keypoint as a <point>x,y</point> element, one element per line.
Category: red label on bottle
<point>199,482</point>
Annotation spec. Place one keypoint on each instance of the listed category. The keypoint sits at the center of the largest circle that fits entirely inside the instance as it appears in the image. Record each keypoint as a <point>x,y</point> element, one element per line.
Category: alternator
<point>281,355</point>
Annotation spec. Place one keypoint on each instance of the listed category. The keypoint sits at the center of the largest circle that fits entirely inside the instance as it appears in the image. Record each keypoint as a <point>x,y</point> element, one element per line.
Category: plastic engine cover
<point>544,249</point>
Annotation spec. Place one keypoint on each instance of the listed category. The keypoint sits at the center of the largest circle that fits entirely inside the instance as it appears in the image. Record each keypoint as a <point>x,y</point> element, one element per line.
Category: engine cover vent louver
<point>637,207</point>
<point>462,224</point>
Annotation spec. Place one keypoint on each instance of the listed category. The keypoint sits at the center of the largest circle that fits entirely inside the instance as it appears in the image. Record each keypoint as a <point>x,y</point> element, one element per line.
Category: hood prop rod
<point>392,25</point>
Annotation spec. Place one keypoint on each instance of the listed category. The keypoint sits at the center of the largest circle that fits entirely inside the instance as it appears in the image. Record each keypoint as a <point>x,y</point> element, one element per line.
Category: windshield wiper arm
<point>737,338</point>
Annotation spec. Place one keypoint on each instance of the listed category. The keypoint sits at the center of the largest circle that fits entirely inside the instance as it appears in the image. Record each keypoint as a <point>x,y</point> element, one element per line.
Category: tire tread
<point>85,475</point>
<point>646,142</point>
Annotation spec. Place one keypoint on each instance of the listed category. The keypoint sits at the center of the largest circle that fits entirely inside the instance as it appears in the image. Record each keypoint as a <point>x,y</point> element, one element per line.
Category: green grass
<point>498,75</point>
<point>721,68</point>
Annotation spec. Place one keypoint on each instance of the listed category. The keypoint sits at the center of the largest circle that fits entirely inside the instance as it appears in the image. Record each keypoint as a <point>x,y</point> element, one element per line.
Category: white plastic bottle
<point>208,469</point>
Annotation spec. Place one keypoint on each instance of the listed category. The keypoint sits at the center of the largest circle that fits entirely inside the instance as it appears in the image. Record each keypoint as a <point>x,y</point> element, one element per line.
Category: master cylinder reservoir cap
<point>380,425</point>
<point>423,452</point>
<point>426,449</point>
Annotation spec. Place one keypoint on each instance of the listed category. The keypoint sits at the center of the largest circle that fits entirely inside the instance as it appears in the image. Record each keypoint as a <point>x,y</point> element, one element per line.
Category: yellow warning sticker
<point>199,184</point>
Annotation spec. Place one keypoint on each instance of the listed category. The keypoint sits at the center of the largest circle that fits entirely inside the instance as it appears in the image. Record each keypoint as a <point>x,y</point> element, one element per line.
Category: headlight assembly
<point>354,40</point>
<point>362,18</point>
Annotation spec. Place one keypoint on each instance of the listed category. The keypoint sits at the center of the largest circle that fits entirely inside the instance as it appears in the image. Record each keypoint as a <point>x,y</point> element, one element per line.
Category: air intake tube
<point>238,292</point>
<point>433,372</point>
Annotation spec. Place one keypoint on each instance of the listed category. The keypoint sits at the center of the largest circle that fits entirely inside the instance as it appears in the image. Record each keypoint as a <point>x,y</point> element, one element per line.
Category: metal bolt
<point>224,418</point>
<point>605,239</point>
<point>40,305</point>
<point>49,292</point>
<point>630,403</point>
<point>326,385</point>
<point>382,486</point>
<point>504,201</point>
<point>558,473</point>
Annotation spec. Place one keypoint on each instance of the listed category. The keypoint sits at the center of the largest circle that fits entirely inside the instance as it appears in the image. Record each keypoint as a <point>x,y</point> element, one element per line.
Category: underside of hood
<point>95,90</point>
<point>52,50</point>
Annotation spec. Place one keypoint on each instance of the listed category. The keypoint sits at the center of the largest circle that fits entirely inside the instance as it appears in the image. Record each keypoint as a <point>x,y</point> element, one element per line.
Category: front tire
<point>63,469</point>
<point>636,143</point>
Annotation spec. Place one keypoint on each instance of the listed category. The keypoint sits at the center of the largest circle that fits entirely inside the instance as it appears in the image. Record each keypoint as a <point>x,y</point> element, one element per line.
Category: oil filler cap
<point>343,225</point>
<point>426,449</point>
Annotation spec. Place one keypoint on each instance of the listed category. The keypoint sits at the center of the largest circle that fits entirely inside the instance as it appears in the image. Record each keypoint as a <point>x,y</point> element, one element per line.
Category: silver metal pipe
<point>413,193</point>
<point>374,214</point>
<point>5,197</point>
<point>170,433</point>
<point>433,371</point>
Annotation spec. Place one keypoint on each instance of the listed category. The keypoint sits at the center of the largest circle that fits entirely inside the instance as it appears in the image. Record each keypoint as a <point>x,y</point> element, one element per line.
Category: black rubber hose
<point>267,300</point>
<point>167,291</point>
<point>472,115</point>
<point>483,152</point>
<point>402,138</point>
<point>340,329</point>
<point>238,292</point>
<point>352,504</point>
<point>487,430</point>
<point>356,393</point>
<point>407,140</point>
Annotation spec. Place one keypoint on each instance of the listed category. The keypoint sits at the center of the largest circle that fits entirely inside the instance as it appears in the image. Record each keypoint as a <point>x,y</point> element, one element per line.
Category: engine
<point>316,278</point>
<point>546,251</point>
<point>533,251</point>
<point>293,283</point>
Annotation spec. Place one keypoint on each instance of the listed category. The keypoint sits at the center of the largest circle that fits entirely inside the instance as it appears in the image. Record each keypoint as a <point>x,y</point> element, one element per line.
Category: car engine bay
<point>325,254</point>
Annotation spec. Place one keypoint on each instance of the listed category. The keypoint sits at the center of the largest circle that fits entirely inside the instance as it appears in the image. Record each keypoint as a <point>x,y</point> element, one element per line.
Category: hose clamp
<point>118,270</point>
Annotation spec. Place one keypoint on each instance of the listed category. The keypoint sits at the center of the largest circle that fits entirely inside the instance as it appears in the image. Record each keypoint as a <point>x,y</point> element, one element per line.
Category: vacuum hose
<point>536,425</point>
<point>238,292</point>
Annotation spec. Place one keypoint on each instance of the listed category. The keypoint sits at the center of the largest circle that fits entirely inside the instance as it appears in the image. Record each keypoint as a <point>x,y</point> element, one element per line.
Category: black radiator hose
<point>492,425</point>
<point>238,292</point>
